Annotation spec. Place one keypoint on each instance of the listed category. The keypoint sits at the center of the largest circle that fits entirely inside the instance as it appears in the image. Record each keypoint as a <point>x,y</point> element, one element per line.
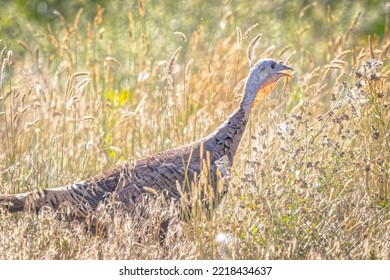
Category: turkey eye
<point>273,65</point>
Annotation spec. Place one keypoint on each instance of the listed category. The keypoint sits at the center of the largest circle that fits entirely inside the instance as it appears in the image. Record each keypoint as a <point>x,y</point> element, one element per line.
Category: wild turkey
<point>164,171</point>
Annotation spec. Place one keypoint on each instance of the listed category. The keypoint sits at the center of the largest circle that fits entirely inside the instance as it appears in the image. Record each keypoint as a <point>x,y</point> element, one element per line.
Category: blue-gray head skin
<point>261,80</point>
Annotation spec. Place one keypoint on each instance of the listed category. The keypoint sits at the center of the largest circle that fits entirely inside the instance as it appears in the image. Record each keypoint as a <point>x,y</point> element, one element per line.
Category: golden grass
<point>311,177</point>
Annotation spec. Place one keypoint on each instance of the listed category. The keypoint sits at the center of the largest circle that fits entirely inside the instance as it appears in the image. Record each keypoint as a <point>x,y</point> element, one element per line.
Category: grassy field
<point>85,91</point>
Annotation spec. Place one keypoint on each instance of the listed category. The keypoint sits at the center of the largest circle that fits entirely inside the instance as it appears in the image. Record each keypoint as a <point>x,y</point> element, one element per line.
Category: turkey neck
<point>224,141</point>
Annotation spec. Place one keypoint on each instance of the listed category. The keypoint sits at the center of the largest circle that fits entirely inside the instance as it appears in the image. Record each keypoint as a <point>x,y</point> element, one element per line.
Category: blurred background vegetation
<point>280,20</point>
<point>70,28</point>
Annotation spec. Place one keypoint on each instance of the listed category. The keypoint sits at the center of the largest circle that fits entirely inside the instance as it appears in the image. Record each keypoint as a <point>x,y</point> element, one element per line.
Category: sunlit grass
<point>311,177</point>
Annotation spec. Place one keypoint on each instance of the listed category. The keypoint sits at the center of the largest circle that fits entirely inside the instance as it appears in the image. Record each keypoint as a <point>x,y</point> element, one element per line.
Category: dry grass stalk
<point>251,48</point>
<point>385,51</point>
<point>144,43</point>
<point>62,19</point>
<point>187,71</point>
<point>77,19</point>
<point>36,54</point>
<point>307,7</point>
<point>2,52</point>
<point>343,53</point>
<point>182,36</point>
<point>172,62</point>
<point>286,48</point>
<point>289,58</point>
<point>250,29</point>
<point>113,61</point>
<point>370,47</point>
<point>239,36</point>
<point>352,26</point>
<point>338,42</point>
<point>9,57</point>
<point>99,16</point>
<point>3,65</point>
<point>141,8</point>
<point>81,87</point>
<point>330,16</point>
<point>238,88</point>
<point>69,83</point>
<point>24,46</point>
<point>33,123</point>
<point>299,35</point>
<point>131,31</point>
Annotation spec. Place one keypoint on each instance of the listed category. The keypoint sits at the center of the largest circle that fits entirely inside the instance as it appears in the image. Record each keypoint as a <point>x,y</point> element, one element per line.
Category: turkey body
<point>171,172</point>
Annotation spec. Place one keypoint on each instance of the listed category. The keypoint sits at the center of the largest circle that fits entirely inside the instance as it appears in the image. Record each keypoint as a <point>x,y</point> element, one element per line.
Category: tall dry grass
<point>311,177</point>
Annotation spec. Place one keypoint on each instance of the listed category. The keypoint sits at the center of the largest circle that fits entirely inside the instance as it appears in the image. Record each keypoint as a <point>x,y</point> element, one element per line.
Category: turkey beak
<point>284,68</point>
